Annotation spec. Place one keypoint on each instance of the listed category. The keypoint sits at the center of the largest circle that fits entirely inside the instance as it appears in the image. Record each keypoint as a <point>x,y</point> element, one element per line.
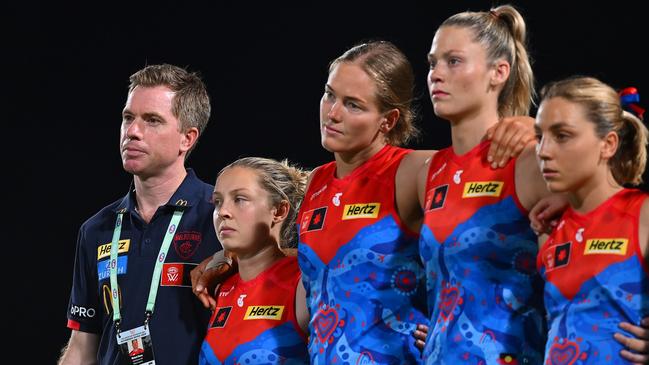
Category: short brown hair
<point>191,104</point>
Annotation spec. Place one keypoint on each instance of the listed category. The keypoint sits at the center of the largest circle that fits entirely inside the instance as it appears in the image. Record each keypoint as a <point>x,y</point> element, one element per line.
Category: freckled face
<point>243,214</point>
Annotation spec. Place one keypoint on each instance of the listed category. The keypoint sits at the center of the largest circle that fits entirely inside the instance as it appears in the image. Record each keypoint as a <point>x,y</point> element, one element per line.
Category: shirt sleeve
<point>84,311</point>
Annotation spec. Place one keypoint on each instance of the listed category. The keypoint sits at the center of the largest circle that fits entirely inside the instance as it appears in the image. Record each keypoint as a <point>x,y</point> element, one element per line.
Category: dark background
<point>265,65</point>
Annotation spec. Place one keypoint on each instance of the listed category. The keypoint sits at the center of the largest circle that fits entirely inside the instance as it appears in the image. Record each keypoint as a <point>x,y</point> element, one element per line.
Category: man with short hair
<point>135,254</point>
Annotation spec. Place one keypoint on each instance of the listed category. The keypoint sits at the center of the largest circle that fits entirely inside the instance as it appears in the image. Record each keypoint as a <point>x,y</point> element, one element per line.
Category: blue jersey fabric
<point>484,292</point>
<point>254,321</point>
<point>596,277</point>
<point>360,267</point>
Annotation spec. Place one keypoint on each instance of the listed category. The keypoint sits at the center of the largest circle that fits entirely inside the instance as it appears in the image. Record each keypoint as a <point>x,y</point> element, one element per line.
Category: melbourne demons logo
<point>186,243</point>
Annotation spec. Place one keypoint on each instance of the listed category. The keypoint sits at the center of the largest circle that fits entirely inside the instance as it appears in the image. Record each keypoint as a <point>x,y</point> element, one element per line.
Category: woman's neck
<point>594,192</point>
<point>250,266</point>
<point>469,131</point>
<point>346,163</point>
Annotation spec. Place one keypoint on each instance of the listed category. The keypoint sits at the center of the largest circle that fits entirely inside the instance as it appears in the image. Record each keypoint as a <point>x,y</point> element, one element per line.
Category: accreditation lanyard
<point>155,280</point>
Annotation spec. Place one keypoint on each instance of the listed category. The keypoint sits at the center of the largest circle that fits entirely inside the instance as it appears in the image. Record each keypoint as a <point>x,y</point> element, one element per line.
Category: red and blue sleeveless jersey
<point>360,266</point>
<point>483,290</point>
<point>595,278</point>
<point>254,321</point>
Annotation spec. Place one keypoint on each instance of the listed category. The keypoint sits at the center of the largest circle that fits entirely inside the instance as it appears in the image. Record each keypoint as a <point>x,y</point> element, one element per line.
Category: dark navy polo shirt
<point>179,320</point>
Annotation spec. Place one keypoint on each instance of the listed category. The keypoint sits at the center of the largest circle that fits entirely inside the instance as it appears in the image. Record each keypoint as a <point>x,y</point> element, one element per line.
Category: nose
<point>133,130</point>
<point>434,75</point>
<point>334,112</point>
<point>543,148</point>
<point>222,211</point>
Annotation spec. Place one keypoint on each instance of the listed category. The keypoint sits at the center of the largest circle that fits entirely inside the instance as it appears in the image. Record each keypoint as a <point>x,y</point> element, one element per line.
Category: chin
<point>556,187</point>
<point>441,113</point>
<point>328,145</point>
<point>131,167</point>
<point>228,246</point>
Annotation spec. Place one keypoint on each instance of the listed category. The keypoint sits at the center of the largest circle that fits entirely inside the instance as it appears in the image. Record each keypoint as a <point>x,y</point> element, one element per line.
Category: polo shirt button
<point>147,241</point>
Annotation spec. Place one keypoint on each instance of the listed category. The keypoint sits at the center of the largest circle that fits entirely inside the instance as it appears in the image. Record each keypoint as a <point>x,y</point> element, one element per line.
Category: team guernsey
<point>178,323</point>
<point>360,266</point>
<point>254,321</point>
<point>483,290</point>
<point>595,278</point>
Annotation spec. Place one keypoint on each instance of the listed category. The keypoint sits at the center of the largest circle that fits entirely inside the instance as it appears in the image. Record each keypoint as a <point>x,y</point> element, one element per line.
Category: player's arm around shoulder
<point>301,310</point>
<point>81,349</point>
<point>530,186</point>
<point>407,187</point>
<point>643,234</point>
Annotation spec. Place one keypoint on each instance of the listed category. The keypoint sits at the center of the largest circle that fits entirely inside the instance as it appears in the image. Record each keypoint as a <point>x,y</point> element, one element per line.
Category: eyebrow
<point>235,191</point>
<point>348,97</point>
<point>145,115</point>
<point>554,127</point>
<point>431,56</point>
<point>559,125</point>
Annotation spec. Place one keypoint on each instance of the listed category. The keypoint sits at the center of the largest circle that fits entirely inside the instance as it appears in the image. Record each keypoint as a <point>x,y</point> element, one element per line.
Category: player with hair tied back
<point>260,314</point>
<point>360,218</point>
<point>484,290</point>
<point>596,260</point>
<point>484,293</point>
<point>359,222</point>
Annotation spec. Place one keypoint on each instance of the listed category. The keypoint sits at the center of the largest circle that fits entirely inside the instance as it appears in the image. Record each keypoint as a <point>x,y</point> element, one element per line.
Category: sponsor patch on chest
<point>273,312</point>
<point>362,210</point>
<point>104,250</point>
<point>608,246</point>
<point>474,189</point>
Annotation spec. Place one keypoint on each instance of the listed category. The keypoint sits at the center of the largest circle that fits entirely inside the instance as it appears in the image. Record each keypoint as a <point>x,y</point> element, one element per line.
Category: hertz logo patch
<point>273,312</point>
<point>104,250</point>
<point>598,246</point>
<point>474,189</point>
<point>367,210</point>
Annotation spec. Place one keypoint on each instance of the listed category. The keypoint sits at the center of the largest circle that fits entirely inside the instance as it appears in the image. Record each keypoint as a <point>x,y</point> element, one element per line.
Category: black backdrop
<point>265,65</point>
